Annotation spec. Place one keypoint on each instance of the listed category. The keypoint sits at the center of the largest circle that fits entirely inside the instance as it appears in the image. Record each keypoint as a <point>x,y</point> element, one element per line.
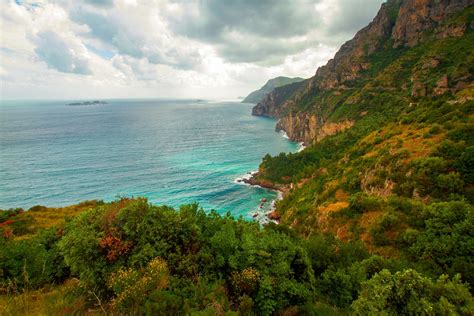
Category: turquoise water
<point>172,152</point>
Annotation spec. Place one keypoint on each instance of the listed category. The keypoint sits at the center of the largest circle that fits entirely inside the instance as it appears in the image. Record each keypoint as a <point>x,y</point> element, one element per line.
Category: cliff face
<point>416,16</point>
<point>306,127</point>
<point>307,116</point>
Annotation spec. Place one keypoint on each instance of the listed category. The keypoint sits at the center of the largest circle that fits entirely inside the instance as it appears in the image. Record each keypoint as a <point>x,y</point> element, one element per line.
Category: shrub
<point>409,293</point>
<point>361,202</point>
<point>131,287</point>
<point>445,243</point>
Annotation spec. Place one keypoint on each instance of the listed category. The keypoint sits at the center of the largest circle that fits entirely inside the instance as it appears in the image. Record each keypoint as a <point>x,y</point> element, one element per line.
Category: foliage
<point>31,263</point>
<point>409,293</point>
<point>131,287</point>
<point>240,256</point>
<point>446,239</point>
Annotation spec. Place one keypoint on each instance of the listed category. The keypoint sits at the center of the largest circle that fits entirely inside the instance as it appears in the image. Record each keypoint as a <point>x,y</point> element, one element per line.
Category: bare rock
<point>418,90</point>
<point>274,216</point>
<point>441,86</point>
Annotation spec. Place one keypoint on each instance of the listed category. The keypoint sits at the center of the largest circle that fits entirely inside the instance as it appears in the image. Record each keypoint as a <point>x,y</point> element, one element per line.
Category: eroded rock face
<point>268,107</point>
<point>349,60</point>
<point>308,128</point>
<point>441,86</point>
<point>416,16</point>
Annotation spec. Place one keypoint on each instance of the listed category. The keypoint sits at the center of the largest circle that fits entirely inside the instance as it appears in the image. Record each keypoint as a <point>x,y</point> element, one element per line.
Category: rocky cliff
<point>307,114</point>
<point>417,16</point>
<point>305,127</point>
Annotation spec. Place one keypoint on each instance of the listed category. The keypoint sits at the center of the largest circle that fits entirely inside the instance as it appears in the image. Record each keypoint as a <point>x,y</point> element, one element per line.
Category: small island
<point>95,102</point>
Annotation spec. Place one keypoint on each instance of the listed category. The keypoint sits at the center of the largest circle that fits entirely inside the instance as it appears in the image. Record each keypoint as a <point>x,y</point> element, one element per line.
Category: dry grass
<point>56,300</point>
<point>341,196</point>
<point>404,137</point>
<point>46,217</point>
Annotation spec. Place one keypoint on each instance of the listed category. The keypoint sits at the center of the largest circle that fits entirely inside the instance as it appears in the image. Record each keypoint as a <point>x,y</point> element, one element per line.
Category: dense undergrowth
<point>131,257</point>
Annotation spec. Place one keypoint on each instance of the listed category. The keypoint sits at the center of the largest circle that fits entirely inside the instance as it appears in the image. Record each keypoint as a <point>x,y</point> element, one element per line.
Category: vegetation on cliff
<point>399,177</point>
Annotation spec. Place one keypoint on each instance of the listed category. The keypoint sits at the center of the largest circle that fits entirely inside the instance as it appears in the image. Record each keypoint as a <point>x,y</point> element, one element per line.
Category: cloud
<point>60,55</point>
<point>249,31</point>
<point>138,33</point>
<point>211,20</point>
<point>347,16</point>
<point>101,3</point>
<point>169,47</point>
<point>110,30</point>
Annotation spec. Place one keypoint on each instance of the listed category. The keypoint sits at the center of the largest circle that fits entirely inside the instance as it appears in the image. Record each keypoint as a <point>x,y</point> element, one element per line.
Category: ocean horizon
<point>172,151</point>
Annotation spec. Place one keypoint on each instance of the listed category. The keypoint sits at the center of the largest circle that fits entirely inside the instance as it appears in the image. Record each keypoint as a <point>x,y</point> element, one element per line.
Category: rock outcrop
<point>417,16</point>
<point>306,128</point>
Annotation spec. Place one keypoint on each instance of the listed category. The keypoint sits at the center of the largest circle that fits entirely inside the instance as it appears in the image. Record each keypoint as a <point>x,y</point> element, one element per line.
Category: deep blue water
<point>172,152</point>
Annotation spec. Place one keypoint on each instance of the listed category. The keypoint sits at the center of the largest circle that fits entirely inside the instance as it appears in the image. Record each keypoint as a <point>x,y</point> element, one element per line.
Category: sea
<point>172,152</point>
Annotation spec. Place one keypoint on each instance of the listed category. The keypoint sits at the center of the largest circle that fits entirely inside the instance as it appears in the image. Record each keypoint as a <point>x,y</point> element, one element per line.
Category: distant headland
<point>95,102</point>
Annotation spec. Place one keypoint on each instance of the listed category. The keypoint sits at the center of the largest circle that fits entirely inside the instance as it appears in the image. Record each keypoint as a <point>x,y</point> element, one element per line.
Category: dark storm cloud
<point>352,15</point>
<point>249,31</point>
<point>265,18</point>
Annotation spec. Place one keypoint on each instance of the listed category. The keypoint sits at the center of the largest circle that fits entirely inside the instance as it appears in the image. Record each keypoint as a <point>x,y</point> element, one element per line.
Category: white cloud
<point>158,48</point>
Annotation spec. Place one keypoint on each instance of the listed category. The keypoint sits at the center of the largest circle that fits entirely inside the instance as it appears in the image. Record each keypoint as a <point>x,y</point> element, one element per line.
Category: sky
<point>214,49</point>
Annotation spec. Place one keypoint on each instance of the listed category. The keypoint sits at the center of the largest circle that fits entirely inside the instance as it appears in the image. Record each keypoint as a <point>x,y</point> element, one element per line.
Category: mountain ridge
<point>257,95</point>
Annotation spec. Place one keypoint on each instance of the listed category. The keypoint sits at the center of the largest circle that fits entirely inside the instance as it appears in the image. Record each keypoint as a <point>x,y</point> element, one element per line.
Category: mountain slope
<point>257,95</point>
<point>312,113</point>
<point>390,124</point>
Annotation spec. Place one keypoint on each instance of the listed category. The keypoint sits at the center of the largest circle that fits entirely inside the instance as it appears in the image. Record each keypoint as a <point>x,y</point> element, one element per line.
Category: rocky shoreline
<point>251,178</point>
<point>282,190</point>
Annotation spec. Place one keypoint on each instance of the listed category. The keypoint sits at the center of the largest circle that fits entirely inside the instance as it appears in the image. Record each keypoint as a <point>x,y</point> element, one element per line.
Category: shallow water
<point>171,151</point>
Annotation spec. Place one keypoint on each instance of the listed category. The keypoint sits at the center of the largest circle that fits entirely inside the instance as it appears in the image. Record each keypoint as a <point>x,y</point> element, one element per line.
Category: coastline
<point>251,178</point>
<point>281,190</point>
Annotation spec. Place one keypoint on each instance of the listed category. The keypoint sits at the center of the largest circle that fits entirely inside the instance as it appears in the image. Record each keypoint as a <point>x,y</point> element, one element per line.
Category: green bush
<point>361,202</point>
<point>446,241</point>
<point>31,263</point>
<point>409,293</point>
<point>264,265</point>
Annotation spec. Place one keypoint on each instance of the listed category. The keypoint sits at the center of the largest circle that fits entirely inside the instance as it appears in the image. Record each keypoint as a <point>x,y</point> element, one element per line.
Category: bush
<point>205,254</point>
<point>361,202</point>
<point>385,224</point>
<point>445,243</point>
<point>131,287</point>
<point>409,293</point>
<point>31,263</point>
